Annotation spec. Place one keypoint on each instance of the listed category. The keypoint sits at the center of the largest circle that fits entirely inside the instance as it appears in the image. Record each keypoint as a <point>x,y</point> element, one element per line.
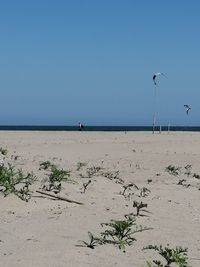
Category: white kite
<point>155,77</point>
<point>187,108</point>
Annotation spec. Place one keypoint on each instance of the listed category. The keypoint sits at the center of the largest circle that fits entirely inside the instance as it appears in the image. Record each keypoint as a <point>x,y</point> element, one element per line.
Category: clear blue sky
<point>65,61</point>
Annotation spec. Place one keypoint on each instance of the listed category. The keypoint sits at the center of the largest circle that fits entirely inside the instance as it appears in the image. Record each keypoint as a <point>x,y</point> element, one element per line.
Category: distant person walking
<point>81,126</point>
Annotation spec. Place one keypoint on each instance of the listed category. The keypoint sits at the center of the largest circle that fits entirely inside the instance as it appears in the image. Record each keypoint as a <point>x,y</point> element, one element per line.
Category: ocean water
<point>95,128</point>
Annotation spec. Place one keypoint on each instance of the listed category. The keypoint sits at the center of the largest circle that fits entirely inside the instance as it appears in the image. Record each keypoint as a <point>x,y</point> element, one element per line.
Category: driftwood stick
<point>58,197</point>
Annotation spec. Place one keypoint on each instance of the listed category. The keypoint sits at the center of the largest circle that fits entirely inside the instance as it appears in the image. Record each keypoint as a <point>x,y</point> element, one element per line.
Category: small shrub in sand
<point>15,181</point>
<point>94,170</point>
<point>93,242</point>
<point>58,175</point>
<point>139,207</point>
<point>128,187</point>
<point>121,232</point>
<point>24,193</point>
<point>143,192</point>
<point>176,255</point>
<point>90,171</point>
<point>113,176</point>
<point>173,170</point>
<point>54,176</point>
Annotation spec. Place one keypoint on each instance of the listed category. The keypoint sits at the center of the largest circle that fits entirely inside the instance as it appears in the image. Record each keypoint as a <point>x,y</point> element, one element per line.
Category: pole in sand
<point>168,128</point>
<point>154,115</point>
<point>155,76</point>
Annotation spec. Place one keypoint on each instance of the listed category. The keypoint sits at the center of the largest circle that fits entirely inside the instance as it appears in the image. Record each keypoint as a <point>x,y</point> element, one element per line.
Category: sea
<point>95,128</point>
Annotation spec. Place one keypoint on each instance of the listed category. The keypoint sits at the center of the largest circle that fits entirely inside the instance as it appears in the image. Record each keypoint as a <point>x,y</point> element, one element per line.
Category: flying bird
<point>187,108</point>
<point>155,77</point>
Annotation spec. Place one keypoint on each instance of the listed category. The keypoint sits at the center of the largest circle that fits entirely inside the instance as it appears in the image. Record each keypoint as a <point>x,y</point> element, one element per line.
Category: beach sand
<point>46,232</point>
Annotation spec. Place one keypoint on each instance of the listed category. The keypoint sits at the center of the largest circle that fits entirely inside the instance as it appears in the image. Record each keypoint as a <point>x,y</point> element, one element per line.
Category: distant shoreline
<point>96,128</point>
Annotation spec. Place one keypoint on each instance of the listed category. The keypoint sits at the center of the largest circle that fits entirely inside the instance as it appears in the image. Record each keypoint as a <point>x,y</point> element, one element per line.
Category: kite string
<point>155,106</point>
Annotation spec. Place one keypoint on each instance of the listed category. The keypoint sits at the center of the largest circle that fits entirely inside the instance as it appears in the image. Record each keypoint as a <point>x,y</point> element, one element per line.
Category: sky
<point>66,61</point>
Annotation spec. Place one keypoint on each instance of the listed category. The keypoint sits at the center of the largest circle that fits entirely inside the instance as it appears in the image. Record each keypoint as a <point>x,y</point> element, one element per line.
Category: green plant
<point>58,175</point>
<point>55,177</point>
<point>24,193</point>
<point>121,232</point>
<point>176,255</point>
<point>139,207</point>
<point>173,170</point>
<point>12,179</point>
<point>93,242</point>
<point>8,179</point>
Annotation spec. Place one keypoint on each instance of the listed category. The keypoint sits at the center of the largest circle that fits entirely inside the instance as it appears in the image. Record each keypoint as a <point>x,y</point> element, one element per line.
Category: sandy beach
<point>48,232</point>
